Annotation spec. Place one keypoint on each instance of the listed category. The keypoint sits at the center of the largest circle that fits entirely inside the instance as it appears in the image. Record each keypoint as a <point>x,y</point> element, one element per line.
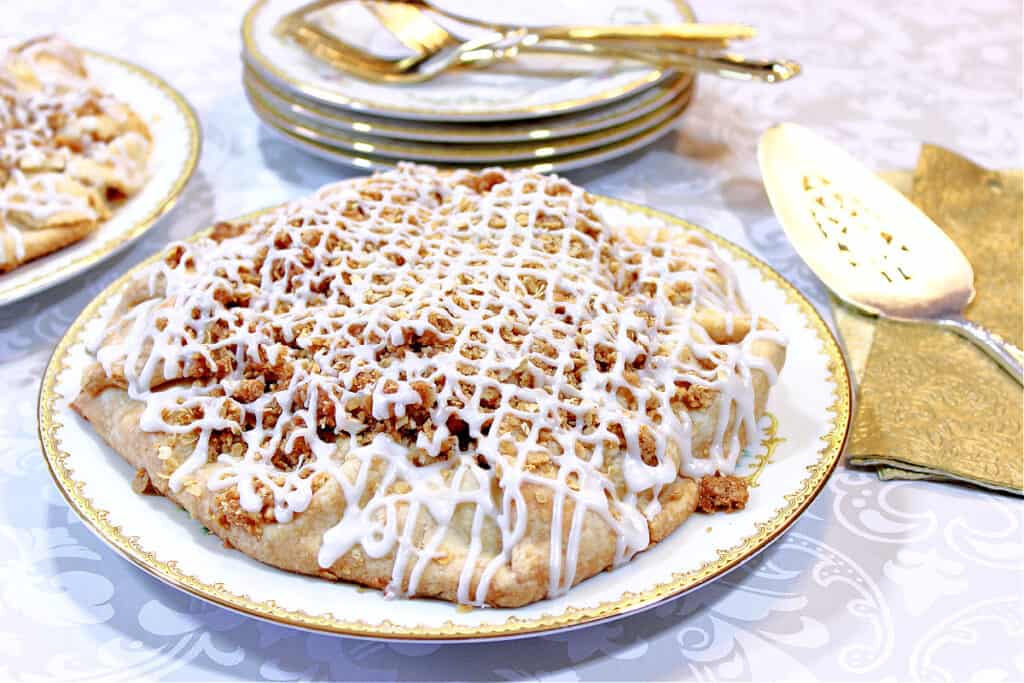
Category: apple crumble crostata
<point>67,150</point>
<point>459,385</point>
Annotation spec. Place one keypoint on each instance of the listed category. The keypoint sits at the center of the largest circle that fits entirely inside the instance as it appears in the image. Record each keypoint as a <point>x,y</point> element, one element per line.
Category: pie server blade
<point>866,241</point>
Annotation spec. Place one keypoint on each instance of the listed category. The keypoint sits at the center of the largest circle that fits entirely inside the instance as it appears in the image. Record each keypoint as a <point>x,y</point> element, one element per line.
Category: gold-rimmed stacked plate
<point>540,112</point>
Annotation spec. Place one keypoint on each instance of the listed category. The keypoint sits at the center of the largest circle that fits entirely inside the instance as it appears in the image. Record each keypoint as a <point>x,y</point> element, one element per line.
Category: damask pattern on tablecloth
<point>878,581</point>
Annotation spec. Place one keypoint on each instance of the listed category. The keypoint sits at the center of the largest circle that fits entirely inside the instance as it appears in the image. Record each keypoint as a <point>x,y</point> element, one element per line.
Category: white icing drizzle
<point>465,340</point>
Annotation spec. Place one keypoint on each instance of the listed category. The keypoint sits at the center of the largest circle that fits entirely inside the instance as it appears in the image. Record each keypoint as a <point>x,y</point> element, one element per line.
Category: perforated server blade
<point>866,241</point>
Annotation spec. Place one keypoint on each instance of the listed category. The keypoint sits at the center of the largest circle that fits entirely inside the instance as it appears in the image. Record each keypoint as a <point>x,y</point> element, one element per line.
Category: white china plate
<point>550,128</point>
<point>532,86</point>
<point>557,163</point>
<point>176,142</point>
<point>803,435</point>
<point>442,152</point>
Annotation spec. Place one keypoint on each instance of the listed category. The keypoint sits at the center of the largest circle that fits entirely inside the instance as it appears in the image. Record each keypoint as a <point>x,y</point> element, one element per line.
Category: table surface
<point>897,581</point>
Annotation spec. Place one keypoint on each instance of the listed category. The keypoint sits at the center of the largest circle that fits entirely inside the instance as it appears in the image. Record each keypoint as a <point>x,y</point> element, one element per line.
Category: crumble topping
<point>453,338</point>
<point>722,493</point>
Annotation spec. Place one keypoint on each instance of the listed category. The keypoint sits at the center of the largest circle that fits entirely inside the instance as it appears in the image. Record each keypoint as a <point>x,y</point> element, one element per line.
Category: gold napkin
<point>931,405</point>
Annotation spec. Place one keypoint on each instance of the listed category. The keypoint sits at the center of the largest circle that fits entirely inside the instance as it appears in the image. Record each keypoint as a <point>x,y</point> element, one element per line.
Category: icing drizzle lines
<point>441,343</point>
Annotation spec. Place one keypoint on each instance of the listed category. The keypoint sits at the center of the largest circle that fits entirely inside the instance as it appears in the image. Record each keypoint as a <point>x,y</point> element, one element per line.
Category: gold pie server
<point>867,242</point>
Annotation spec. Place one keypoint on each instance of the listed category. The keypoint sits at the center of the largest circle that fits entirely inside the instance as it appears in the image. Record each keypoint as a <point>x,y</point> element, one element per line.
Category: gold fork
<point>413,28</point>
<point>665,36</point>
<point>686,36</point>
<point>435,49</point>
<point>416,30</point>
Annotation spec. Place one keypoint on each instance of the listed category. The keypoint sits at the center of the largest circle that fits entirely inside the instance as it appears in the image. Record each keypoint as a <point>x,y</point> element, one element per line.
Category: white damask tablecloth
<point>878,581</point>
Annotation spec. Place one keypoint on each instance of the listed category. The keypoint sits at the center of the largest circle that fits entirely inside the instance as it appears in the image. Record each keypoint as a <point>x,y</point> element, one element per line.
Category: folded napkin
<point>930,404</point>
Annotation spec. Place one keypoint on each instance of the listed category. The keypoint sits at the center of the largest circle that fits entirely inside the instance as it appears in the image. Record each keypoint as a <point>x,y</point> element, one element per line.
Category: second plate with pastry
<point>92,151</point>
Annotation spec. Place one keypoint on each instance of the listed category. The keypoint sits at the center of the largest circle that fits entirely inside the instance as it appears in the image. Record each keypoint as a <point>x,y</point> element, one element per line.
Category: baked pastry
<point>461,385</point>
<point>67,150</point>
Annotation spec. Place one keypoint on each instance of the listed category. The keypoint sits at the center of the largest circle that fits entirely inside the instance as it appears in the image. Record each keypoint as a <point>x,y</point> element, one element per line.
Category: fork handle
<point>653,32</point>
<point>724,65</point>
<point>736,67</point>
<point>1006,354</point>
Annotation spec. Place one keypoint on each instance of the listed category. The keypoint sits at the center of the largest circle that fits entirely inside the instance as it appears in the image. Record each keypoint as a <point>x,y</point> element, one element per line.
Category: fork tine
<point>394,20</point>
<point>411,25</point>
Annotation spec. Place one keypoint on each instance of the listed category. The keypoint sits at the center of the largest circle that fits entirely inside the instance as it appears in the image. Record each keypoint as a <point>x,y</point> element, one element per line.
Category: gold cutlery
<point>682,35</point>
<point>436,50</point>
<point>415,29</point>
<point>872,247</point>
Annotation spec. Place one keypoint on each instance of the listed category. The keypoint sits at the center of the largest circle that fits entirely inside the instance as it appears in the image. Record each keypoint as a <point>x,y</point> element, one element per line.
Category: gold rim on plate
<point>629,602</point>
<point>469,153</point>
<point>49,278</point>
<point>472,132</point>
<point>260,62</point>
<point>555,164</point>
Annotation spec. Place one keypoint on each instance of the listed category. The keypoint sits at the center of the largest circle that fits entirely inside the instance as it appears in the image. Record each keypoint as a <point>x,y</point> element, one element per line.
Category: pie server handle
<point>1007,355</point>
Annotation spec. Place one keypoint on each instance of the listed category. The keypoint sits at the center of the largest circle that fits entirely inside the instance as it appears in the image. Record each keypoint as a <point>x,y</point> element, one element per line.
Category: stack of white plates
<point>545,112</point>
